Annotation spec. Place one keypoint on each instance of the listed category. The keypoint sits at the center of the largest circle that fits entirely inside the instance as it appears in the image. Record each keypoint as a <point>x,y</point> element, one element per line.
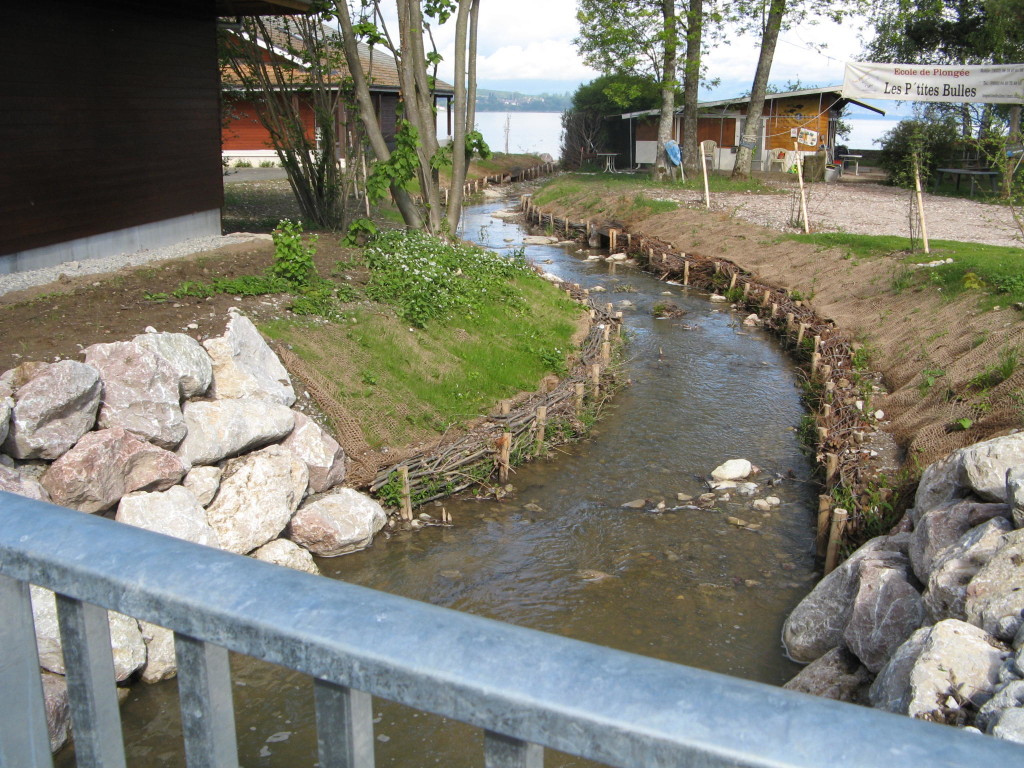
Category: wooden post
<point>800,333</point>
<point>817,343</point>
<point>505,407</point>
<point>826,410</point>
<point>746,290</point>
<point>403,473</point>
<point>824,513</point>
<point>775,308</point>
<point>764,298</point>
<point>835,535</point>
<point>613,236</point>
<point>580,389</point>
<point>686,273</point>
<point>504,456</point>
<point>920,205</point>
<point>609,308</point>
<point>831,467</point>
<point>595,377</point>
<point>800,178</point>
<point>789,322</point>
<point>542,420</point>
<point>826,371</point>
<point>822,435</point>
<point>606,352</point>
<point>607,332</point>
<point>629,241</point>
<point>732,281</point>
<point>704,167</point>
<point>815,361</point>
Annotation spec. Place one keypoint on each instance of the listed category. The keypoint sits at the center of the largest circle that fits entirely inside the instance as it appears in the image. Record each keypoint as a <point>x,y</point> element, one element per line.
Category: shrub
<point>935,143</point>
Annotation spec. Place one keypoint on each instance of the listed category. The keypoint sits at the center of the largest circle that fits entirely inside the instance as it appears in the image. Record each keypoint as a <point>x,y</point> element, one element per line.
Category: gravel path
<point>869,209</point>
<point>20,280</point>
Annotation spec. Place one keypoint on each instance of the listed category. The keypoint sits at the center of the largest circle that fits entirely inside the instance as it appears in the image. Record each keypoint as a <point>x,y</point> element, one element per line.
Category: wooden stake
<point>505,407</point>
<point>822,435</point>
<point>789,321</point>
<point>732,281</point>
<point>704,167</point>
<point>609,308</point>
<point>403,473</point>
<point>834,537</point>
<point>815,360</point>
<point>504,456</point>
<point>775,308</point>
<point>595,377</point>
<point>920,205</point>
<point>800,333</point>
<point>580,389</point>
<point>746,290</point>
<point>831,467</point>
<point>686,273</point>
<point>542,420</point>
<point>817,343</point>
<point>613,236</point>
<point>826,371</point>
<point>607,332</point>
<point>606,352</point>
<point>800,178</point>
<point>826,410</point>
<point>824,513</point>
<point>764,298</point>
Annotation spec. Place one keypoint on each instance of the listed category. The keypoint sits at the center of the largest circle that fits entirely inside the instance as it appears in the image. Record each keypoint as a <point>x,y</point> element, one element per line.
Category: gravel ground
<point>20,280</point>
<point>869,209</point>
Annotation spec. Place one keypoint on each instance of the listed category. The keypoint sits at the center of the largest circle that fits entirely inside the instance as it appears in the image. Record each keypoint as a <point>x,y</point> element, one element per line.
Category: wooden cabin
<point>244,138</point>
<point>808,118</point>
<point>110,135</point>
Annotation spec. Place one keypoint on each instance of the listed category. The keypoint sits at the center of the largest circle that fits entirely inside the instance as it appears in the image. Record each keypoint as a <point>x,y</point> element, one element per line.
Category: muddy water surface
<point>564,555</point>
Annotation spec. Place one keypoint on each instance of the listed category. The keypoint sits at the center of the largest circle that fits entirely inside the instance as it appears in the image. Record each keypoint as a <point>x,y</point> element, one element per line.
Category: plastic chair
<point>709,151</point>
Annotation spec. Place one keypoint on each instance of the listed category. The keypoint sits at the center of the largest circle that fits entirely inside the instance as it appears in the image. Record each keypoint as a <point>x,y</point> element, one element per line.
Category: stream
<point>562,554</point>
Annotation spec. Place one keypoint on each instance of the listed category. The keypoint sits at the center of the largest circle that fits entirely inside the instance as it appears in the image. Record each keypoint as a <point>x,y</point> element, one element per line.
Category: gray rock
<point>140,392</point>
<point>225,428</point>
<point>174,512</point>
<point>322,454</point>
<point>1015,494</point>
<point>816,625</point>
<point>203,482</point>
<point>340,522</point>
<point>58,712</point>
<point>733,469</point>
<point>955,566</point>
<point>1010,725</point>
<point>1009,696</point>
<point>107,464</point>
<point>837,675</point>
<point>995,596</point>
<point>187,358</point>
<point>13,481</point>
<point>126,641</point>
<point>6,408</point>
<point>288,554</point>
<point>245,366</point>
<point>258,495</point>
<point>161,661</point>
<point>939,484</point>
<point>943,526</point>
<point>54,405</point>
<point>886,610</point>
<point>951,659</point>
<point>985,465</point>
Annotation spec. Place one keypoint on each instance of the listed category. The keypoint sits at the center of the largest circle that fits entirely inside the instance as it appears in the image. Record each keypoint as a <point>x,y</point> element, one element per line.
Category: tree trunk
<point>464,107</point>
<point>368,115</point>
<point>692,156</point>
<point>668,86</point>
<point>752,126</point>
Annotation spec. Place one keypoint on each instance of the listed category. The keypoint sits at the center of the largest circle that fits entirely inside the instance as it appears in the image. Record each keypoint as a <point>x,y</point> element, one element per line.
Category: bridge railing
<point>526,689</point>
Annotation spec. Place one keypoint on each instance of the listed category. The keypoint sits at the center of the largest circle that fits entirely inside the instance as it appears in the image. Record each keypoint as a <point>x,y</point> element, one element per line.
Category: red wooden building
<point>110,130</point>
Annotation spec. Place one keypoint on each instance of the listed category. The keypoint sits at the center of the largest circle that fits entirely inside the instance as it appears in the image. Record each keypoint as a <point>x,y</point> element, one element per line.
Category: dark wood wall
<point>110,117</point>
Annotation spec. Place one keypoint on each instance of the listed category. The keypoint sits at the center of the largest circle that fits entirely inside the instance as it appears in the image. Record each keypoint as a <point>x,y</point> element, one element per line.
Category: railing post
<point>95,717</point>
<point>344,726</point>
<point>502,751</point>
<point>207,709</point>
<point>24,739</point>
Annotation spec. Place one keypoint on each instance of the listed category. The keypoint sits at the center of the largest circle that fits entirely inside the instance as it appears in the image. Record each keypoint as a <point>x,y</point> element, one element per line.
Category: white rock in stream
<point>733,469</point>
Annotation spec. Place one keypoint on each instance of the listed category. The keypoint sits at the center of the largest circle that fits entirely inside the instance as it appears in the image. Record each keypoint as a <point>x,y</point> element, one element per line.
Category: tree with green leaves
<point>589,124</point>
<point>418,156</point>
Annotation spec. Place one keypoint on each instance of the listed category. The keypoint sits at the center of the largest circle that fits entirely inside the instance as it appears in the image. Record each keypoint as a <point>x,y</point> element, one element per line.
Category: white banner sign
<point>987,84</point>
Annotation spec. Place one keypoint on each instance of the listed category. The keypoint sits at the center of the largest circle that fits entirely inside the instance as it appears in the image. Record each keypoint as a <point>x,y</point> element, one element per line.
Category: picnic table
<point>856,162</point>
<point>974,174</point>
<point>609,160</point>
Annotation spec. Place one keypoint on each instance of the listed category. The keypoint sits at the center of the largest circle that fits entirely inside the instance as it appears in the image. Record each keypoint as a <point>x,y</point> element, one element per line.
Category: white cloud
<point>537,60</point>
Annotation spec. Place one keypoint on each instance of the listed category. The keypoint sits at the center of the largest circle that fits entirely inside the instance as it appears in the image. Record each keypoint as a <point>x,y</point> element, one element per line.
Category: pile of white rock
<point>200,442</point>
<point>929,620</point>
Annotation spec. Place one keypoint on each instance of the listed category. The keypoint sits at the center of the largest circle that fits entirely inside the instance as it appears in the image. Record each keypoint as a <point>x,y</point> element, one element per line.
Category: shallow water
<point>563,555</point>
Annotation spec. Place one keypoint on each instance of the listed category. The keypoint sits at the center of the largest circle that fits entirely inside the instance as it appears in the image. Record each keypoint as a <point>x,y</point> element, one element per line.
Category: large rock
<point>161,661</point>
<point>107,464</point>
<point>187,358</point>
<point>837,675</point>
<point>321,453</point>
<point>733,469</point>
<point>13,481</point>
<point>58,711</point>
<point>245,366</point>
<point>995,596</point>
<point>6,408</point>
<point>225,428</point>
<point>125,638</point>
<point>288,554</point>
<point>258,494</point>
<point>886,610</point>
<point>939,484</point>
<point>954,568</point>
<point>54,405</point>
<point>943,526</point>
<point>950,660</point>
<point>817,623</point>
<point>140,392</point>
<point>338,523</point>
<point>203,482</point>
<point>174,512</point>
<point>984,465</point>
<point>1015,494</point>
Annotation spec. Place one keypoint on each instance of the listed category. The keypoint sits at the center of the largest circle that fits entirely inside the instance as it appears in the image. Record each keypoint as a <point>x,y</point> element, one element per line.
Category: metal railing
<point>528,690</point>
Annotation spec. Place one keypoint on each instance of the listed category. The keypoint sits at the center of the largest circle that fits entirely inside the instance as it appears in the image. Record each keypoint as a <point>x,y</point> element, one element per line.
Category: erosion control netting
<point>455,462</point>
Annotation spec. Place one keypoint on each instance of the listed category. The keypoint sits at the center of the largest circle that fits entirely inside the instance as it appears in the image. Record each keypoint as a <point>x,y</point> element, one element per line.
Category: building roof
<point>262,7</point>
<point>378,65</point>
<point>833,89</point>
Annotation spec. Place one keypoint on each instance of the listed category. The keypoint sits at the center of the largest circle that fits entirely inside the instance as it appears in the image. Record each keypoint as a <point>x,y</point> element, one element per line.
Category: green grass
<point>592,190</point>
<point>995,273</point>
